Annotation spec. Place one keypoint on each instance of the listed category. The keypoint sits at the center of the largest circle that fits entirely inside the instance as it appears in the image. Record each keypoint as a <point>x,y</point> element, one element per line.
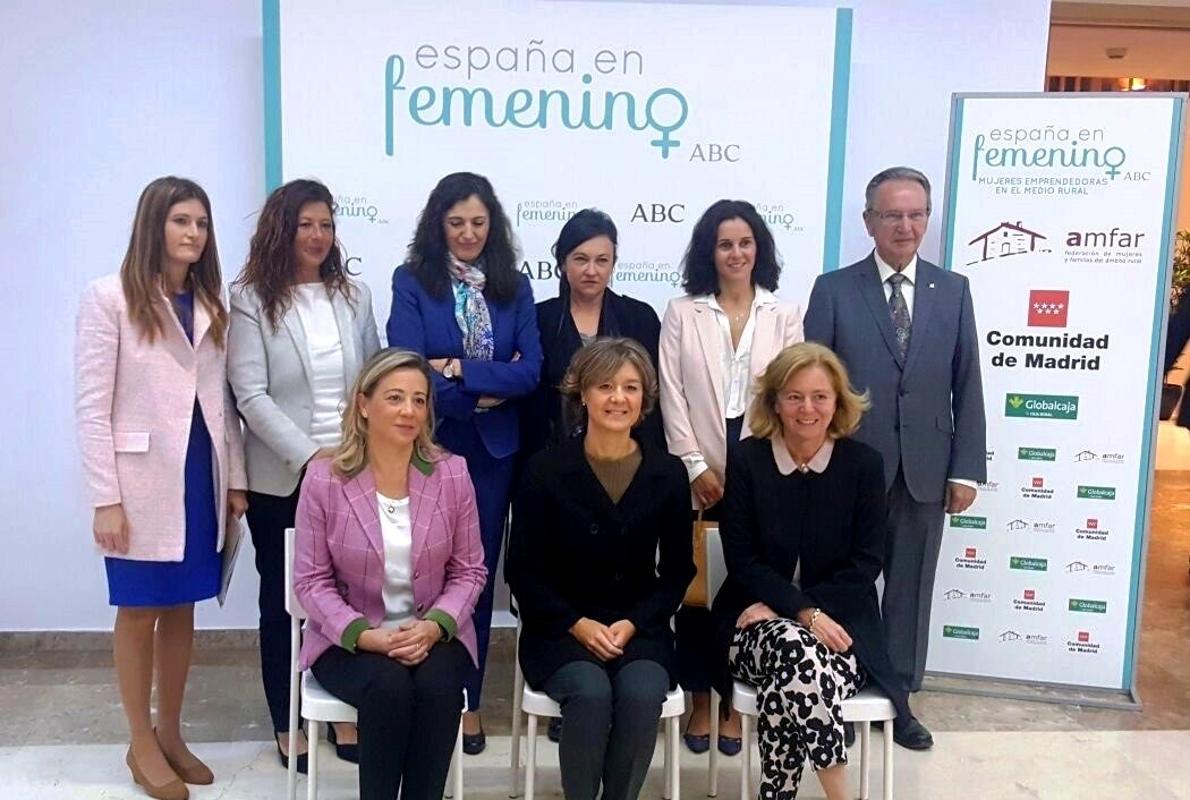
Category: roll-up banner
<point>1060,211</point>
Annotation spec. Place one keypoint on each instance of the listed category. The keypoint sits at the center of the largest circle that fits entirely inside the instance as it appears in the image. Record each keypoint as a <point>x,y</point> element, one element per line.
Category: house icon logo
<point>1010,636</point>
<point>1076,566</point>
<point>1006,239</point>
<point>1017,525</point>
<point>954,594</point>
<point>1086,455</point>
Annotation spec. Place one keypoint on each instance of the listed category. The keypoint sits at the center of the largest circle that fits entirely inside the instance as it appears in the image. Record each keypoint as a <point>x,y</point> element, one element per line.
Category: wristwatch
<point>448,371</point>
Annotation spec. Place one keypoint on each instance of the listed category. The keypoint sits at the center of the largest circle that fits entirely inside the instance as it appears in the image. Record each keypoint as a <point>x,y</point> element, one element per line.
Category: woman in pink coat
<point>388,566</point>
<point>163,460</point>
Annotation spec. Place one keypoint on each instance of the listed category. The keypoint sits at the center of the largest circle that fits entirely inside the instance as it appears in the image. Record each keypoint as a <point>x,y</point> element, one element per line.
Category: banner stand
<point>1060,210</point>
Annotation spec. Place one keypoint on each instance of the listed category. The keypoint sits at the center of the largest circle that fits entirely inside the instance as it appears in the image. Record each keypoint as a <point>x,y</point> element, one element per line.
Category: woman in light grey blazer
<point>301,328</point>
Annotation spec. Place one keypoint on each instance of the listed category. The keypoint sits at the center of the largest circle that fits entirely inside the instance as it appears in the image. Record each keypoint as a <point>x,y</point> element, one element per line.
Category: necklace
<point>389,506</point>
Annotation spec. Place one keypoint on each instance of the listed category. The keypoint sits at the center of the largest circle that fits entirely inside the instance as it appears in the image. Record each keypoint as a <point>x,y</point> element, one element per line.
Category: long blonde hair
<point>141,270</point>
<point>352,454</point>
<point>850,405</point>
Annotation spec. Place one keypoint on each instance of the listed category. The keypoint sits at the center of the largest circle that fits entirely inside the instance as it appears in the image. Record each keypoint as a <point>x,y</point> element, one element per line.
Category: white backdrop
<point>102,97</point>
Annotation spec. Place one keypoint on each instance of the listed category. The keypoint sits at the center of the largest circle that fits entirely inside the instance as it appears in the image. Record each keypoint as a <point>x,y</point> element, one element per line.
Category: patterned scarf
<point>471,310</point>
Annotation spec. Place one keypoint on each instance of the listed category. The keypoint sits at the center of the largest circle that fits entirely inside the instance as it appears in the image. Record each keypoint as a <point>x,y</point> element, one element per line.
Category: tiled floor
<point>64,737</point>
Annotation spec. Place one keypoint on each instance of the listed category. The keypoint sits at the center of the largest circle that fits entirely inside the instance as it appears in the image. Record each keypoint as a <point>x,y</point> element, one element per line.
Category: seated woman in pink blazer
<point>162,457</point>
<point>715,341</point>
<point>388,566</point>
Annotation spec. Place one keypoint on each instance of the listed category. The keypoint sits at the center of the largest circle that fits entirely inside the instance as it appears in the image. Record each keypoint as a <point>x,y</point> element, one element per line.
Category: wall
<point>102,97</point>
<point>1151,54</point>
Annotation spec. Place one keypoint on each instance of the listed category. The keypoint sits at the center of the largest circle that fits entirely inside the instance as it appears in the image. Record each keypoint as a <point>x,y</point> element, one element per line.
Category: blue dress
<point>197,575</point>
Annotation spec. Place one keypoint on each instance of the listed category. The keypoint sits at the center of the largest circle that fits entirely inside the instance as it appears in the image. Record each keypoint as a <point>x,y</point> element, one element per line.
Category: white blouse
<point>325,348</point>
<point>397,530</point>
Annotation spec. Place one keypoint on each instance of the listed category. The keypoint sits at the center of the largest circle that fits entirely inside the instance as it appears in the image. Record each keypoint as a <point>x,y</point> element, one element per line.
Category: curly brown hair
<point>271,265</point>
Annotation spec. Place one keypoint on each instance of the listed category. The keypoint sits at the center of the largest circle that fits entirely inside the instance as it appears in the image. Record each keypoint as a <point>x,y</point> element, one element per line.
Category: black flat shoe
<point>697,743</point>
<point>474,743</point>
<point>554,730</point>
<point>302,760</point>
<point>848,734</point>
<point>911,734</point>
<point>347,752</point>
<point>730,745</point>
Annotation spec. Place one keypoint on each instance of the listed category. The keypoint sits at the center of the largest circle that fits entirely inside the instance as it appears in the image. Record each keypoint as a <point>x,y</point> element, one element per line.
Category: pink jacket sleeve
<point>465,570</point>
<point>97,345</point>
<point>313,572</point>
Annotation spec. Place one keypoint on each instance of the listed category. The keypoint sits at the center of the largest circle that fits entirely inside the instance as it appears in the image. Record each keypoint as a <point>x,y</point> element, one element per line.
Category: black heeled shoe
<point>347,752</point>
<point>302,760</point>
<point>475,743</point>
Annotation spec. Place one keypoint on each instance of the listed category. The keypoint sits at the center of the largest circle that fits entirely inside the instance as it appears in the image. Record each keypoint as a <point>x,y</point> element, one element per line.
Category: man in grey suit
<point>906,331</point>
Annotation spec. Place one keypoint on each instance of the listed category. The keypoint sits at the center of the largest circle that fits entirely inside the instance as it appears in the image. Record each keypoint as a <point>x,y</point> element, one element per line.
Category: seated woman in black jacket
<point>595,596</point>
<point>585,308</point>
<point>803,536</point>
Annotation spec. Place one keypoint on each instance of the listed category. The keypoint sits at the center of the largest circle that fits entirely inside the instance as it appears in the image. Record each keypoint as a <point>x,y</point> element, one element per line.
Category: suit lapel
<point>202,321</point>
<point>423,499</point>
<point>764,338</point>
<point>361,495</point>
<point>873,293</point>
<point>923,311</point>
<point>711,337</point>
<point>292,323</point>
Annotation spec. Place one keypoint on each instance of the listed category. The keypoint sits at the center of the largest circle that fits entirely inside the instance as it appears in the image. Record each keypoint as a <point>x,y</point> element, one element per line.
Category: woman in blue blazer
<point>460,301</point>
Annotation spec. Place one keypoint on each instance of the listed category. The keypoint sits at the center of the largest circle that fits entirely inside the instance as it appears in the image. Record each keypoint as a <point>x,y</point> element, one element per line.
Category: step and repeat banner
<point>565,106</point>
<point>1060,212</point>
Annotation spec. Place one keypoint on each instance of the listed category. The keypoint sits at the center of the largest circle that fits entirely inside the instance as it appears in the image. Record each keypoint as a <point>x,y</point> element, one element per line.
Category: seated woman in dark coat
<point>803,536</point>
<point>595,593</point>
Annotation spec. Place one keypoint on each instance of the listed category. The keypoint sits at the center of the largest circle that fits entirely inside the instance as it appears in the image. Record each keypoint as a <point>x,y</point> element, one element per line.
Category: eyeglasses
<point>891,218</point>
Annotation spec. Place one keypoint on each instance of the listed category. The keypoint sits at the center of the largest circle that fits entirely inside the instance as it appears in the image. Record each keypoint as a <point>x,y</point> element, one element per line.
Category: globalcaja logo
<point>1082,642</point>
<point>358,206</point>
<point>970,523</point>
<point>1005,240</point>
<point>1028,563</point>
<point>1028,601</point>
<point>1036,454</point>
<point>1092,531</point>
<point>1097,492</point>
<point>969,559</point>
<point>966,632</point>
<point>574,102</point>
<point>1036,489</point>
<point>1087,606</point>
<point>1041,406</point>
<point>550,211</point>
<point>1048,308</point>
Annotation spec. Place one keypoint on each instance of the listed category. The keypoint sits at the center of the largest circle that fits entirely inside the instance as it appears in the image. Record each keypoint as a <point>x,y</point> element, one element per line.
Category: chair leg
<point>530,756</point>
<point>667,782</point>
<point>888,761</point>
<point>745,758</point>
<point>713,771</point>
<point>295,682</point>
<point>865,758</point>
<point>675,758</point>
<point>315,735</point>
<point>518,689</point>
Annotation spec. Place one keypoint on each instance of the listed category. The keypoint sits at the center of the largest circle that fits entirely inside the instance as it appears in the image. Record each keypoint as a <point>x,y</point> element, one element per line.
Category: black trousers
<point>408,716</point>
<point>268,517</point>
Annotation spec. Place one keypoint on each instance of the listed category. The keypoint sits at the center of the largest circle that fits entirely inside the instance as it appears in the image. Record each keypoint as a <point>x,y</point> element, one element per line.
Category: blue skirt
<point>196,577</point>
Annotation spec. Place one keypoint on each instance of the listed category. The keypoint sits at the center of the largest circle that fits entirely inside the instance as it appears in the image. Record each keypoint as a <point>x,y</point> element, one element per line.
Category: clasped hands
<point>408,644</point>
<point>829,632</point>
<point>605,642</point>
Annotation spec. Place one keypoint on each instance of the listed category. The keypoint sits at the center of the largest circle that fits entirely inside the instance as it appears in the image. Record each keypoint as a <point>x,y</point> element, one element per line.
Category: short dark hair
<point>698,265</point>
<point>583,226</point>
<point>428,252</point>
<point>896,174</point>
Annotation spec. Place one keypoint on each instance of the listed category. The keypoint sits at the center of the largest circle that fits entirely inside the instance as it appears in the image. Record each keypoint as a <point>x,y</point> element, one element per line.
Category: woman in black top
<point>803,529</point>
<point>585,308</point>
<point>599,559</point>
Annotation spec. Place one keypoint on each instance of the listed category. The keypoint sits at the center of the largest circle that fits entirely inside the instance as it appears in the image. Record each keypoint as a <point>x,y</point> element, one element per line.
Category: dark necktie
<point>900,312</point>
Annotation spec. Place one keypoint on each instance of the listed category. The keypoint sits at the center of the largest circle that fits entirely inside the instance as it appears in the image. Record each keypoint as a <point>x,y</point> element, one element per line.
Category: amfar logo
<point>654,213</point>
<point>1041,406</point>
<point>1083,456</point>
<point>1006,239</point>
<point>972,597</point>
<point>1048,308</point>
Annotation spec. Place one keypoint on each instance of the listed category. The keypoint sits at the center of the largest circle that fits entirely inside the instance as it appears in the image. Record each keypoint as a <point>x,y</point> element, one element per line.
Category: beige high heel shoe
<point>189,768</point>
<point>171,790</point>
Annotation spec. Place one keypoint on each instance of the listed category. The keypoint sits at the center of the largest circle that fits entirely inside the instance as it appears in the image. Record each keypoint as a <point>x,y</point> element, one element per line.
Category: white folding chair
<point>319,706</point>
<point>538,704</point>
<point>866,707</point>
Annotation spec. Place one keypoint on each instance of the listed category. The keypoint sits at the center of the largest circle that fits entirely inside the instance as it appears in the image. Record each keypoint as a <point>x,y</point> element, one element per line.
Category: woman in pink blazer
<point>715,341</point>
<point>388,566</point>
<point>163,460</point>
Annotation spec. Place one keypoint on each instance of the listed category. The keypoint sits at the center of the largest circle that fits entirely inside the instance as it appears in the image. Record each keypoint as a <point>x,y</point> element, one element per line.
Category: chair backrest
<point>291,602</point>
<point>716,566</point>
